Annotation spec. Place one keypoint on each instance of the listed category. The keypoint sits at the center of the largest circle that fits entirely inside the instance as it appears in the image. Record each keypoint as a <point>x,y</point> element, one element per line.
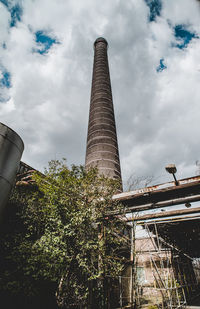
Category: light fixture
<point>188,205</point>
<point>171,169</point>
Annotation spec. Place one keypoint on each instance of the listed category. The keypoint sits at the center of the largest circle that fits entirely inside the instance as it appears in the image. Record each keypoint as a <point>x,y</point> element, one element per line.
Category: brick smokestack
<point>102,147</point>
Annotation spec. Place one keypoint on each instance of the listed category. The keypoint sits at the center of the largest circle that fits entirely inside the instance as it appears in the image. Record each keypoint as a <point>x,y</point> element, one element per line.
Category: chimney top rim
<point>100,39</point>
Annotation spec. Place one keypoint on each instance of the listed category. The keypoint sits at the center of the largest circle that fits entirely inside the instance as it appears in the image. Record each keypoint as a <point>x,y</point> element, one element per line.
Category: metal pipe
<point>176,181</point>
<point>169,220</point>
<point>150,206</point>
<point>11,149</point>
<point>173,202</point>
<point>176,213</point>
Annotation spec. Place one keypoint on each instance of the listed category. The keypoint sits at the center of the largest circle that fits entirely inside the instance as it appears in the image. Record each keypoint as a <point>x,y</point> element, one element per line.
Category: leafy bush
<point>58,238</point>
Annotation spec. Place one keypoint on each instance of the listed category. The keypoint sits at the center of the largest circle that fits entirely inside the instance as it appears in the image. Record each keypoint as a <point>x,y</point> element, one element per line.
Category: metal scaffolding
<point>164,275</point>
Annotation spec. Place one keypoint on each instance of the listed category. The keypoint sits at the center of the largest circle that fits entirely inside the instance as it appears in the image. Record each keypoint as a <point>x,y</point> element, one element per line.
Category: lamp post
<point>171,169</point>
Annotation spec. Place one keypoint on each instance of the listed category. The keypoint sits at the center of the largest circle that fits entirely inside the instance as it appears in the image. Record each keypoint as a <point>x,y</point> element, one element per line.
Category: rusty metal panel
<point>11,149</point>
<point>166,185</point>
<point>163,195</point>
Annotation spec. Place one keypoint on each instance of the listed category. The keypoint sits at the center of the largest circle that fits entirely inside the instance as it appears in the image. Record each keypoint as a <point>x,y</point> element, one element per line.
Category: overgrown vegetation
<point>57,241</point>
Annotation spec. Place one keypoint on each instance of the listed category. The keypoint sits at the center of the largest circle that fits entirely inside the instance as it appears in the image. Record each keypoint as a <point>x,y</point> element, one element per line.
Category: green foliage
<point>59,238</point>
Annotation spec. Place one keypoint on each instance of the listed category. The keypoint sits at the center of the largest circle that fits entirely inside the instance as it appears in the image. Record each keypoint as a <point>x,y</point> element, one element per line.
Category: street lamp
<point>171,169</point>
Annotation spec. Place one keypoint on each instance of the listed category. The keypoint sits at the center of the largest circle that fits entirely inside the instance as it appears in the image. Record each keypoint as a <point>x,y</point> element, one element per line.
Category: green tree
<point>59,238</point>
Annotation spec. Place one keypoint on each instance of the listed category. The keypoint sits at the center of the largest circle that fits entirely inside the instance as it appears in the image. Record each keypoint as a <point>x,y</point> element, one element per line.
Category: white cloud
<point>4,23</point>
<point>182,12</point>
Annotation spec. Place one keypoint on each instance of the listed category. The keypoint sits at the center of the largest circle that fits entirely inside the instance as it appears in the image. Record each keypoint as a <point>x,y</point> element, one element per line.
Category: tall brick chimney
<point>102,147</point>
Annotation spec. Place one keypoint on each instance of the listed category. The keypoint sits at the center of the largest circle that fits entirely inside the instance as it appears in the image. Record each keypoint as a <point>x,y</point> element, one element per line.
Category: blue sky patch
<point>5,2</point>
<point>5,81</point>
<point>155,7</point>
<point>15,12</point>
<point>161,66</point>
<point>45,41</point>
<point>183,36</point>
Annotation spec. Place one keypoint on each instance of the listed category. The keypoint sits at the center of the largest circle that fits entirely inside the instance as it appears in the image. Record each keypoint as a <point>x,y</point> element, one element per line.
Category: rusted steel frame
<point>167,214</point>
<point>152,205</point>
<point>153,195</point>
<point>163,186</point>
<point>24,168</point>
<point>24,176</point>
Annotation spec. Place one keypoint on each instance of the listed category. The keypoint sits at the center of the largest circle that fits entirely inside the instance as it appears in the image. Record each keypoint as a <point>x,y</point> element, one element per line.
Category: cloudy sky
<point>46,58</point>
